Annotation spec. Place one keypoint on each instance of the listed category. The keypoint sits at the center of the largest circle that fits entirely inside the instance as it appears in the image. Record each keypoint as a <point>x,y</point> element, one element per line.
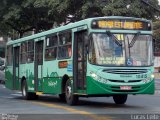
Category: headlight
<point>147,80</point>
<point>93,75</point>
<point>98,78</point>
<point>152,76</point>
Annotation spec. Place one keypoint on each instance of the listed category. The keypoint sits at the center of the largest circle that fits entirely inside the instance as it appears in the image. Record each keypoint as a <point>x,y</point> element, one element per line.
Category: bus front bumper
<point>94,87</point>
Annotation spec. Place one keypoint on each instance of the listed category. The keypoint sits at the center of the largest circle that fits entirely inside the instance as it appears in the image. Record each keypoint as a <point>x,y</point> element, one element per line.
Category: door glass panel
<point>80,60</point>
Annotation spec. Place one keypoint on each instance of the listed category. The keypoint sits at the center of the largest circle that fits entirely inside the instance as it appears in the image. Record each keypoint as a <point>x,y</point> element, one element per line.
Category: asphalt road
<point>51,108</point>
<point>2,76</point>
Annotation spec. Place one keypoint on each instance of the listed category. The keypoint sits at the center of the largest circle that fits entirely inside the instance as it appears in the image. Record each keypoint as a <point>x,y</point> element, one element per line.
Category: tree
<point>131,8</point>
<point>26,15</point>
<point>40,15</point>
<point>156,34</point>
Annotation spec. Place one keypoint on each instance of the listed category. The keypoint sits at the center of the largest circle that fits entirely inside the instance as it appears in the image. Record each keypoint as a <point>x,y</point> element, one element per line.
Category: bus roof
<point>69,26</point>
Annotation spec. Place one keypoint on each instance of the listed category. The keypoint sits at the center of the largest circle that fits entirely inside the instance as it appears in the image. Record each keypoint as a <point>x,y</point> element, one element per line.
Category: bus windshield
<point>121,49</point>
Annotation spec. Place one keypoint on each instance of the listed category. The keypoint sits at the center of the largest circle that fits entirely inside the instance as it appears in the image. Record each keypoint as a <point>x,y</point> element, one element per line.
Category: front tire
<point>27,95</point>
<point>120,99</point>
<point>71,99</point>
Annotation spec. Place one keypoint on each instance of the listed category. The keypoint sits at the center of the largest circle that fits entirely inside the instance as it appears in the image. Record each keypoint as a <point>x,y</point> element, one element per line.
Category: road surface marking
<point>39,93</point>
<point>67,108</point>
<point>19,92</point>
<point>2,86</point>
<point>16,94</point>
<point>6,97</point>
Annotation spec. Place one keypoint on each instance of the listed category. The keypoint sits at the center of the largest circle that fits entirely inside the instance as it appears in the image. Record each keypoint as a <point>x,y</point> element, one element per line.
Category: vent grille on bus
<point>125,71</point>
<point>122,81</point>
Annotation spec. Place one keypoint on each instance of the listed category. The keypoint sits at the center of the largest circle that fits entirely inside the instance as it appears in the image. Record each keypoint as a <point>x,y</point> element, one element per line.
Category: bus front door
<point>16,68</point>
<point>38,78</point>
<point>79,60</point>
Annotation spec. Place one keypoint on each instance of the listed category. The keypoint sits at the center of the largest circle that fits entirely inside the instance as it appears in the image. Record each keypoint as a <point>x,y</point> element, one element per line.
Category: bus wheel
<point>120,99</point>
<point>70,98</point>
<point>62,97</point>
<point>27,95</point>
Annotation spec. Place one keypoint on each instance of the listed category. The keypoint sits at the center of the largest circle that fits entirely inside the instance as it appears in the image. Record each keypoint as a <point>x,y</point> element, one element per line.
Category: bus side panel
<point>9,77</point>
<point>51,80</point>
<point>52,85</point>
<point>65,70</point>
<point>30,76</point>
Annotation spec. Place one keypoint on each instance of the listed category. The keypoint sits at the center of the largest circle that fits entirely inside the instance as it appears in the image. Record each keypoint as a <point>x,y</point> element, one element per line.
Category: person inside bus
<point>69,51</point>
<point>80,57</point>
<point>79,54</point>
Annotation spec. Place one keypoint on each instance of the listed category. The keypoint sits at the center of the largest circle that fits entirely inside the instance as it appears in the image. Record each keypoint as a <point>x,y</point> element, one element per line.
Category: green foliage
<point>131,8</point>
<point>156,34</point>
<point>40,15</point>
<point>91,9</point>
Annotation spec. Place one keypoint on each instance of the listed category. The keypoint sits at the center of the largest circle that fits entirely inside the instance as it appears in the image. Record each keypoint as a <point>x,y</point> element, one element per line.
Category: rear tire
<point>27,95</point>
<point>71,99</point>
<point>120,99</point>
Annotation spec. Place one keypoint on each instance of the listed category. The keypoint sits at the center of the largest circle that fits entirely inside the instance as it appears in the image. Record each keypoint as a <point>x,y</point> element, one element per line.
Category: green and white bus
<point>102,56</point>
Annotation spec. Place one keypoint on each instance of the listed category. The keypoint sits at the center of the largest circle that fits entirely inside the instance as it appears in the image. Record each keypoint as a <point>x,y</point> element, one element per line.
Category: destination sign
<point>62,64</point>
<point>121,24</point>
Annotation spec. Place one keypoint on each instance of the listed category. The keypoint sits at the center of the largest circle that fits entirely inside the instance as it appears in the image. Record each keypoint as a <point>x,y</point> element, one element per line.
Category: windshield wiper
<point>134,39</point>
<point>118,42</point>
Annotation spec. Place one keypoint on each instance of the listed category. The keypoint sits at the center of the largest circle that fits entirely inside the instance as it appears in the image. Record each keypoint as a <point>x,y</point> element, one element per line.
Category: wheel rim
<point>68,92</point>
<point>24,90</point>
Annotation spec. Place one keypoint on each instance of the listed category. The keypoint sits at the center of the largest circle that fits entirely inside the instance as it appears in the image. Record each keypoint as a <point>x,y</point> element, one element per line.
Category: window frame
<point>30,50</point>
<point>64,45</point>
<point>50,37</point>
<point>22,53</point>
<point>9,55</point>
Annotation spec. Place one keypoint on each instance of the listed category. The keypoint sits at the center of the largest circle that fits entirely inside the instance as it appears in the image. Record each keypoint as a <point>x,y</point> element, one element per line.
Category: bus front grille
<point>122,81</point>
<point>125,71</point>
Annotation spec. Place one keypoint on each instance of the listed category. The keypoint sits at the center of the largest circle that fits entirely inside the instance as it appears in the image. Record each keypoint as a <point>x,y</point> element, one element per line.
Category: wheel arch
<point>64,80</point>
<point>22,80</point>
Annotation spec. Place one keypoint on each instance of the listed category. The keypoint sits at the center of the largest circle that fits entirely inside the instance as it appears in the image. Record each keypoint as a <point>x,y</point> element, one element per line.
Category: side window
<point>9,55</point>
<point>65,45</point>
<point>51,47</point>
<point>30,57</point>
<point>23,53</point>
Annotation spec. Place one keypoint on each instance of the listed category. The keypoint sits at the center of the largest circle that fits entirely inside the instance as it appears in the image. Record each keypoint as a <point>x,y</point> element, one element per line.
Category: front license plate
<point>125,87</point>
